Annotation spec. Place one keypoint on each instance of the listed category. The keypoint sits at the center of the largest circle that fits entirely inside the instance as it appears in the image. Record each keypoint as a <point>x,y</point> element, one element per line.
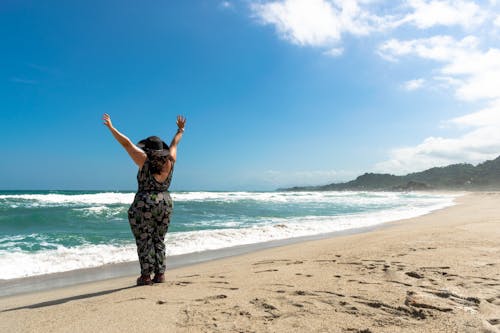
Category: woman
<point>149,214</point>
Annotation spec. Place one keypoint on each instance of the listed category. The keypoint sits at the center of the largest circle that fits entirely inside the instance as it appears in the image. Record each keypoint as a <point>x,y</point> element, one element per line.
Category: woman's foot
<point>144,280</point>
<point>159,278</point>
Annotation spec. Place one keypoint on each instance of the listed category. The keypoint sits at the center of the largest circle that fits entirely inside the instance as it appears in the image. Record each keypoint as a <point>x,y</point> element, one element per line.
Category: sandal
<point>159,278</point>
<point>144,280</point>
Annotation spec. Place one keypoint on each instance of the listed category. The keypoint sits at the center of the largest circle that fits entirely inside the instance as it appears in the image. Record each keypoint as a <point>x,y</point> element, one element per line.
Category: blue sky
<point>276,93</point>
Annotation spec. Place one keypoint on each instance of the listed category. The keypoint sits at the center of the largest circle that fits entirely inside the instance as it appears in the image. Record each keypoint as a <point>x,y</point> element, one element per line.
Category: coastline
<point>37,283</point>
<point>91,230</point>
<point>436,272</point>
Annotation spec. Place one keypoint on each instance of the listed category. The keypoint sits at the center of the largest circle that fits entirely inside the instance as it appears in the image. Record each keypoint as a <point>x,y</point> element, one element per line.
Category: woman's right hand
<point>107,121</point>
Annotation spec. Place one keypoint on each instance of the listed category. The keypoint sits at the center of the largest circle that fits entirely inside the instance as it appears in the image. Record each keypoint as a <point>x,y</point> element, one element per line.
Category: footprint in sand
<point>494,322</point>
<point>304,293</point>
<point>415,275</point>
<point>183,283</point>
<point>349,308</point>
<point>219,282</point>
<point>245,313</point>
<point>266,307</point>
<point>226,288</point>
<point>326,261</point>
<point>330,293</point>
<point>188,276</point>
<point>393,310</point>
<point>350,263</point>
<point>265,262</point>
<point>267,270</point>
<point>355,330</point>
<point>402,283</point>
<point>494,300</point>
<point>211,298</point>
<point>221,296</point>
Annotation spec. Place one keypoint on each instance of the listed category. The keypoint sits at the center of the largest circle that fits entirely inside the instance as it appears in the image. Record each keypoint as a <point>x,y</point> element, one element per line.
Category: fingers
<point>181,121</point>
<point>107,119</point>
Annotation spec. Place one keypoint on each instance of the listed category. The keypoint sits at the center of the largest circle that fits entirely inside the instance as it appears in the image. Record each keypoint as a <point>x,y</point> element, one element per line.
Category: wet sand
<point>435,273</point>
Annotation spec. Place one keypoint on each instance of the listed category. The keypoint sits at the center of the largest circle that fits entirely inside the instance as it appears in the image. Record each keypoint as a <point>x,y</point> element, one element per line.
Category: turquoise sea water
<point>52,231</point>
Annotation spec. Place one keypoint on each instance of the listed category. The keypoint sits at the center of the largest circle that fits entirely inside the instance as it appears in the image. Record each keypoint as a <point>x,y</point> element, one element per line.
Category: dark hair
<point>156,161</point>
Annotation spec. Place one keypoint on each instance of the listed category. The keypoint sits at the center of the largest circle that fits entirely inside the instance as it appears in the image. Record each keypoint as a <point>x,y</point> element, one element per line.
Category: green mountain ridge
<point>463,176</point>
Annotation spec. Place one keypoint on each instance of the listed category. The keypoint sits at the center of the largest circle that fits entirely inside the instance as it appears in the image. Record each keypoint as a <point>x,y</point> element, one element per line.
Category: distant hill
<point>464,176</point>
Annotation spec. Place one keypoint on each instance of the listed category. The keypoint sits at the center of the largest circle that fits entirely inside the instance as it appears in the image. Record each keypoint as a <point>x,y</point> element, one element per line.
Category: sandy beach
<point>435,273</point>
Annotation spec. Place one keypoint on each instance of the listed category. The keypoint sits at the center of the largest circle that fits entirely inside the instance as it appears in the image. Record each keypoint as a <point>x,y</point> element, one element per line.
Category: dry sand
<point>435,273</point>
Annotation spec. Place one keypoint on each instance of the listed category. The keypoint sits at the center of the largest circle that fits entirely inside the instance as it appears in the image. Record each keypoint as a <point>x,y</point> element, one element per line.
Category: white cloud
<point>322,23</point>
<point>475,146</point>
<point>319,23</point>
<point>413,84</point>
<point>440,48</point>
<point>334,52</point>
<point>496,22</point>
<point>447,81</point>
<point>475,73</point>
<point>481,73</point>
<point>465,65</point>
<point>303,22</point>
<point>489,116</point>
<point>481,142</point>
<point>429,13</point>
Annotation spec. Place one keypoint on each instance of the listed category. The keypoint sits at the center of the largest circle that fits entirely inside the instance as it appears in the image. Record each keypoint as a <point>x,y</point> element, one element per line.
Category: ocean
<point>45,232</point>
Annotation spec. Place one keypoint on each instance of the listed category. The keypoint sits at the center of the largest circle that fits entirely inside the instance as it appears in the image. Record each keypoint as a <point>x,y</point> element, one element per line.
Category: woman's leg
<point>141,223</point>
<point>159,244</point>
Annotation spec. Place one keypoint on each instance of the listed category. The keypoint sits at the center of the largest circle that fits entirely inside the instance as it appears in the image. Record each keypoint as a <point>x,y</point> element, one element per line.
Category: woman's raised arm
<point>181,122</point>
<point>137,154</point>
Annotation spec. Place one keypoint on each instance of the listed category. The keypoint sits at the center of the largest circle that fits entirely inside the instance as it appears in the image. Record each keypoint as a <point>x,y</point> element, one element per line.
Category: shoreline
<point>38,283</point>
<point>43,282</point>
<point>438,272</point>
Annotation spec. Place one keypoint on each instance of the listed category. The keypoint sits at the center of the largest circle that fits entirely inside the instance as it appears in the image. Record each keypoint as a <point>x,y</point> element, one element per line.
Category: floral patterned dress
<point>149,218</point>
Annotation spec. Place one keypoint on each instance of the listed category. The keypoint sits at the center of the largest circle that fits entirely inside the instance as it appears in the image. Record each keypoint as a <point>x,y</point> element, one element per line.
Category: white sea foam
<point>277,228</point>
<point>102,211</point>
<point>23,264</point>
<point>109,198</point>
<point>285,197</point>
<point>16,263</point>
<point>52,199</point>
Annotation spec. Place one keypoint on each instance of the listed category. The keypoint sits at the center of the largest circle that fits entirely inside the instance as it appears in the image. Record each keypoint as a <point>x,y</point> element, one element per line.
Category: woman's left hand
<point>181,122</point>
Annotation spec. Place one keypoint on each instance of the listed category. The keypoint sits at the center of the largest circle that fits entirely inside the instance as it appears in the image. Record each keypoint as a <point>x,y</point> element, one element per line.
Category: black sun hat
<point>154,144</point>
